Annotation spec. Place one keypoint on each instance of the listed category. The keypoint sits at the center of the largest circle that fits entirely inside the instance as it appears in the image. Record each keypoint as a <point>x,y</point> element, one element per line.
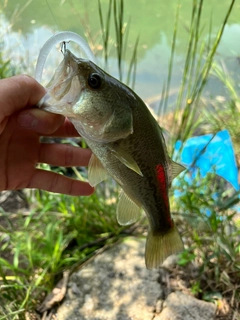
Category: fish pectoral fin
<point>125,158</point>
<point>161,245</point>
<point>96,172</point>
<point>177,168</point>
<point>127,210</point>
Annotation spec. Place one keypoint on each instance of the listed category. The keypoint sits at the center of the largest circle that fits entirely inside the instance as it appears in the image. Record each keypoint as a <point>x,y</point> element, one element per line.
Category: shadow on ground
<point>115,285</point>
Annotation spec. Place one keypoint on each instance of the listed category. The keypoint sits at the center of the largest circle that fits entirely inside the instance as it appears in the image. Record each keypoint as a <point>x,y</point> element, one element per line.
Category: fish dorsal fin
<point>177,168</point>
<point>125,158</point>
<point>96,171</point>
<point>127,210</point>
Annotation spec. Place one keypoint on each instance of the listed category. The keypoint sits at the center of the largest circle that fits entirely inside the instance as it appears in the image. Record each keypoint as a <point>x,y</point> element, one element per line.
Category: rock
<point>13,200</point>
<point>115,285</point>
<point>180,306</point>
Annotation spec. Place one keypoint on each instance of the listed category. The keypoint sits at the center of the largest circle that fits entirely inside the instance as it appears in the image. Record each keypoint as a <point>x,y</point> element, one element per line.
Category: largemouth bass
<point>127,144</point>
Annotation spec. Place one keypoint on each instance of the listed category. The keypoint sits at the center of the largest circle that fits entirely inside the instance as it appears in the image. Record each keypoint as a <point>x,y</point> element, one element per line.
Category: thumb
<point>40,121</point>
<point>17,93</point>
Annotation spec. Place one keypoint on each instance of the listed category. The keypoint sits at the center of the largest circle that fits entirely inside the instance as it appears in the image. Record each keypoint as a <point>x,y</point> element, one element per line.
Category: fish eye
<point>95,81</point>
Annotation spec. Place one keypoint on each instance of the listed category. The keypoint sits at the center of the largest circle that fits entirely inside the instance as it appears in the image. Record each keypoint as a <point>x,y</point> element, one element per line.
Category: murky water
<point>27,25</point>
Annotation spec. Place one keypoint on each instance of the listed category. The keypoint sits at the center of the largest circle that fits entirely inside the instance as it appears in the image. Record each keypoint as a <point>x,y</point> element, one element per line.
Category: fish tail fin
<point>161,245</point>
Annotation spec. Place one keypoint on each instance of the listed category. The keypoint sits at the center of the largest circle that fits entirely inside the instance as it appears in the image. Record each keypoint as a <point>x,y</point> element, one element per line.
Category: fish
<point>127,144</point>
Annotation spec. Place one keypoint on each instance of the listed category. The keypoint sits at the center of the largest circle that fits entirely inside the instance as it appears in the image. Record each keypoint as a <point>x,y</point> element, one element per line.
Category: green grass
<point>120,42</point>
<point>60,232</point>
<point>211,225</point>
<point>6,68</point>
<point>224,111</point>
<point>209,221</point>
<point>198,64</point>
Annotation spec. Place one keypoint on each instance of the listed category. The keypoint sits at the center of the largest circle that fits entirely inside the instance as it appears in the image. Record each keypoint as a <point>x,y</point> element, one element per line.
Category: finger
<point>54,182</point>
<point>18,92</point>
<point>40,121</point>
<point>64,155</point>
<point>46,123</point>
<point>66,130</point>
<point>3,125</point>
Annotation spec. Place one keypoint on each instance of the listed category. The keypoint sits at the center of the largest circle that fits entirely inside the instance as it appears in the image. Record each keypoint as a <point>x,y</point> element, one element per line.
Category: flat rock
<point>180,306</point>
<point>115,285</point>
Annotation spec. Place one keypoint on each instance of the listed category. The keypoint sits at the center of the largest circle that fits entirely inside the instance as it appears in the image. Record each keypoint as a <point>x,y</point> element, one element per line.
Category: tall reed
<point>197,66</point>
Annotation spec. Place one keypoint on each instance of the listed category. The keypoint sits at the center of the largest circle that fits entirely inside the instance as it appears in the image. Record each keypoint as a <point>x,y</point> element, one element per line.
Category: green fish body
<point>127,144</point>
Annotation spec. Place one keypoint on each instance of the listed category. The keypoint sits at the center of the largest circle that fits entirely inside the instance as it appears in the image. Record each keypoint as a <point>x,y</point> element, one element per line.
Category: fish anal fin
<point>176,169</point>
<point>126,158</point>
<point>96,172</point>
<point>127,211</point>
<point>160,246</point>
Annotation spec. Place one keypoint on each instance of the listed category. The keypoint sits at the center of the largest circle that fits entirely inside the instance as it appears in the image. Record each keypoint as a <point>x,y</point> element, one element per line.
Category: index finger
<point>17,93</point>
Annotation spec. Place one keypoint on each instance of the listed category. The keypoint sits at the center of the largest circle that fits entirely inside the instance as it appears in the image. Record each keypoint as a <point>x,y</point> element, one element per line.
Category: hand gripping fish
<point>127,143</point>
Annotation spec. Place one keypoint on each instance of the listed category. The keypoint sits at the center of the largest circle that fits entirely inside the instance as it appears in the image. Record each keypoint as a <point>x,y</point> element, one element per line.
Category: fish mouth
<point>64,89</point>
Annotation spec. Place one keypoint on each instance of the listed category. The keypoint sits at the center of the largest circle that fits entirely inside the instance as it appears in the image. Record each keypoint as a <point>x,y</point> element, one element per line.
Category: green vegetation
<point>6,69</point>
<point>60,233</point>
<point>205,207</point>
<point>121,40</point>
<point>215,120</point>
<point>211,225</point>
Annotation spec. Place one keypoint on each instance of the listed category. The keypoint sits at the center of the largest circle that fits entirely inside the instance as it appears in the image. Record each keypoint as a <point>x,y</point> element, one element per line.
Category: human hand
<point>21,127</point>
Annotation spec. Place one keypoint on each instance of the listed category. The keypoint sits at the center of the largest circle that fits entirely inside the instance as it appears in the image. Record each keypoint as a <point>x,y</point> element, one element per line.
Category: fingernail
<point>27,120</point>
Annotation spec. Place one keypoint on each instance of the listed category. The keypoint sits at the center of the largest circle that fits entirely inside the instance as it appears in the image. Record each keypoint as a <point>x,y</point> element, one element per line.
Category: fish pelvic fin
<point>127,210</point>
<point>96,171</point>
<point>160,246</point>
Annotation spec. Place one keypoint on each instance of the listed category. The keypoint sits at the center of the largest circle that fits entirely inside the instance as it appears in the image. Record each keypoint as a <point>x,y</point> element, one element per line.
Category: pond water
<point>25,26</point>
